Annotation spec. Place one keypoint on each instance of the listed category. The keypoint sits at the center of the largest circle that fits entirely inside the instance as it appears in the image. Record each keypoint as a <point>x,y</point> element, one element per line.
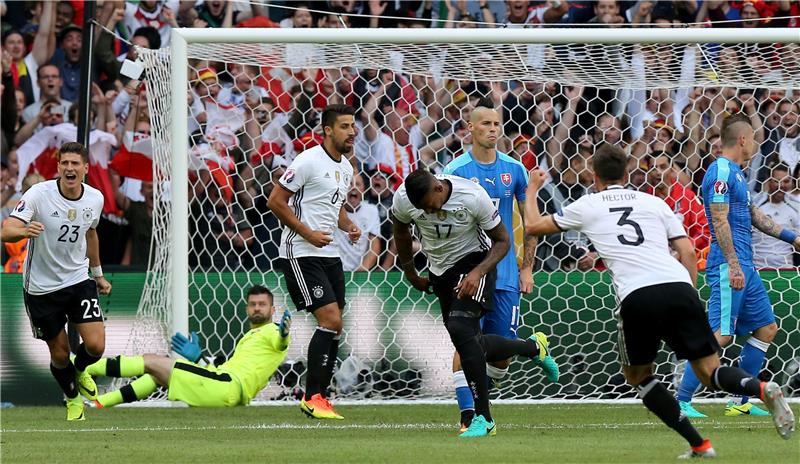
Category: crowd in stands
<point>247,122</point>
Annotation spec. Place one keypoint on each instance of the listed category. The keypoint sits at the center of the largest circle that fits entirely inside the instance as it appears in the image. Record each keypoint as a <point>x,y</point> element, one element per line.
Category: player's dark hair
<point>729,134</point>
<point>331,112</point>
<point>73,147</point>
<point>609,163</point>
<point>418,184</point>
<point>259,290</point>
<point>484,102</point>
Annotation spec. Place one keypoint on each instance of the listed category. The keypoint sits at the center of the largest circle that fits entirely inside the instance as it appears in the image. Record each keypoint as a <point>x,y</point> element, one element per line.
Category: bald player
<point>738,304</point>
<point>504,179</point>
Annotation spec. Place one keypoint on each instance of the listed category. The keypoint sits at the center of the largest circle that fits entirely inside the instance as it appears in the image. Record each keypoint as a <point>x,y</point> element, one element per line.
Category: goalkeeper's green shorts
<point>202,387</point>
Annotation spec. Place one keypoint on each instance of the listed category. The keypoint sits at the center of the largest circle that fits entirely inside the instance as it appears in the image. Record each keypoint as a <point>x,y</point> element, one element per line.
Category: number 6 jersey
<point>320,185</point>
<point>631,231</point>
<point>57,258</point>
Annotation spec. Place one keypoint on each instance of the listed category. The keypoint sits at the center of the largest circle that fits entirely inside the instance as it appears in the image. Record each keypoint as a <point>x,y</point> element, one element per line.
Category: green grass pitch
<point>572,433</point>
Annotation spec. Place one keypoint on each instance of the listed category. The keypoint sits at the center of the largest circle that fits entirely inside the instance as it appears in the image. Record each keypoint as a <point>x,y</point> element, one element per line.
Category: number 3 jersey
<point>457,229</point>
<point>320,185</point>
<point>631,231</point>
<point>57,258</point>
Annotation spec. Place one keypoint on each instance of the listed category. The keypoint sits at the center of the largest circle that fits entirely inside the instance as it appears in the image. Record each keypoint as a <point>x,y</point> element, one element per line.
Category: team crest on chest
<point>72,214</point>
<point>475,180</point>
<point>505,178</point>
<point>461,215</point>
<point>87,215</point>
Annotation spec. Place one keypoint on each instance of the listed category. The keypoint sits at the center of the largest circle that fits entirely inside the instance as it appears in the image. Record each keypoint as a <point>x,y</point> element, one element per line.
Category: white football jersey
<point>320,187</point>
<point>455,231</point>
<point>57,258</point>
<point>770,251</point>
<point>631,231</point>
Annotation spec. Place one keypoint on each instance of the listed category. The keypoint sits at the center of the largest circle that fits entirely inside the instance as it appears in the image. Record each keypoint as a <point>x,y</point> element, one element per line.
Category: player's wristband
<point>788,236</point>
<point>97,271</point>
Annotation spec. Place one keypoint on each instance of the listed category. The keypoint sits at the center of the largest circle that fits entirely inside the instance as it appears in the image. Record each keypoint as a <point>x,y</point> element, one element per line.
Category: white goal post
<point>622,68</point>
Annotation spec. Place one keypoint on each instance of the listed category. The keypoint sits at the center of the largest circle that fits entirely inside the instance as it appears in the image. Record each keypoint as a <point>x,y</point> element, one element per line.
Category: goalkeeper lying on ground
<point>256,357</point>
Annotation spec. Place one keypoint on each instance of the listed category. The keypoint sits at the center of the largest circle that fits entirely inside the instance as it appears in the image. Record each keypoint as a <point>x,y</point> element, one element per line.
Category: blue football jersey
<point>724,182</point>
<point>505,181</point>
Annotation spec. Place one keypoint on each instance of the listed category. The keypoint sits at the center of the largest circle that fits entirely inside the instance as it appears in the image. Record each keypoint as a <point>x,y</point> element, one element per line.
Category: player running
<point>505,180</point>
<point>464,239</point>
<point>632,232</point>
<point>59,217</point>
<point>256,357</point>
<point>739,304</point>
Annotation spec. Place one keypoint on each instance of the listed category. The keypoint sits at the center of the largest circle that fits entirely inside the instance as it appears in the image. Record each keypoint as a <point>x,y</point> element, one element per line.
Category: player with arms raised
<point>739,304</point>
<point>505,180</point>
<point>257,355</point>
<point>632,232</point>
<point>59,217</point>
<point>317,183</point>
<point>456,220</point>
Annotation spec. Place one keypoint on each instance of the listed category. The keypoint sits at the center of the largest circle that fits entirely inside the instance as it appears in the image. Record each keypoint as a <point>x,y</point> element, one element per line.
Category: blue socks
<point>688,385</point>
<point>752,358</point>
<point>463,393</point>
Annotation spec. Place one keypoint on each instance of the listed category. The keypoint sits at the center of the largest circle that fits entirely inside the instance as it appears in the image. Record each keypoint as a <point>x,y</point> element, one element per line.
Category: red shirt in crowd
<point>690,211</point>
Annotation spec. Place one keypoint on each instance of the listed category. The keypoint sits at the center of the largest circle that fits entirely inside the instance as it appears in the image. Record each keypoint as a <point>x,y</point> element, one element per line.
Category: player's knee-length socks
<point>137,390</point>
<point>752,358</point>
<point>319,350</point>
<point>465,334</point>
<point>333,353</point>
<point>65,376</point>
<point>689,384</point>
<point>83,358</point>
<point>660,402</point>
<point>728,379</point>
<point>121,366</point>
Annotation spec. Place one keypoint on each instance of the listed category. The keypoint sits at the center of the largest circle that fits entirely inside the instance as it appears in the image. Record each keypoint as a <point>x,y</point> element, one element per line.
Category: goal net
<point>253,106</point>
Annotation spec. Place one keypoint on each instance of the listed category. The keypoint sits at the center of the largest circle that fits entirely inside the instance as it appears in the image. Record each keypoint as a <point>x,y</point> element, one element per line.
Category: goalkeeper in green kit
<point>256,357</point>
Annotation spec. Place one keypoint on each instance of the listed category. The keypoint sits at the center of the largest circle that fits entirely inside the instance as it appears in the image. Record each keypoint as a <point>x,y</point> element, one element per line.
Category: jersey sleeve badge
<point>20,206</point>
<point>720,187</point>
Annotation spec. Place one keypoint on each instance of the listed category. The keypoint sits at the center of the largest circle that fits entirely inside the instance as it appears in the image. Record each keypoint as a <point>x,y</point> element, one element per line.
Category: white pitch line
<point>417,426</point>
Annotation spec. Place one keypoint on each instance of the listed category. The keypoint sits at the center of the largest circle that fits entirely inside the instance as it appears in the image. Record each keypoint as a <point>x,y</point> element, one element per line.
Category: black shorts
<point>671,312</point>
<point>444,287</point>
<point>49,312</point>
<point>314,282</point>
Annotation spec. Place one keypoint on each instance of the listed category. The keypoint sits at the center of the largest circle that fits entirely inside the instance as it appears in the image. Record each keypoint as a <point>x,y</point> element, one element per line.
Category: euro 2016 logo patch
<point>288,176</point>
<point>20,206</point>
<point>720,187</point>
<point>505,178</point>
<point>318,292</point>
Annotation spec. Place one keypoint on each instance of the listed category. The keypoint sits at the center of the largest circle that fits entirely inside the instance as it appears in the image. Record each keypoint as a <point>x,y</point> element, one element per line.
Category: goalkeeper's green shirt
<point>256,357</point>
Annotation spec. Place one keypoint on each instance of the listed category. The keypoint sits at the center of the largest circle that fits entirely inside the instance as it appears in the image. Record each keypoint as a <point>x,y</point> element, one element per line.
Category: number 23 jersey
<point>57,258</point>
<point>320,185</point>
<point>631,231</point>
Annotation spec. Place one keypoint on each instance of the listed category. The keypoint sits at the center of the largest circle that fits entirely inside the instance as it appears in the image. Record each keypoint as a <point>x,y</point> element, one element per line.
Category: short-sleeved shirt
<point>457,229</point>
<point>630,231</point>
<point>256,357</point>
<point>319,185</point>
<point>367,219</point>
<point>769,251</point>
<point>724,182</point>
<point>504,180</point>
<point>57,258</point>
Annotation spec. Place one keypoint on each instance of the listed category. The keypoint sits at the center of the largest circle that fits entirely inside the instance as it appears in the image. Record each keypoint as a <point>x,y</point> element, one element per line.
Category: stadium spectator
<point>49,81</point>
<point>50,114</point>
<point>65,15</point>
<point>67,59</point>
<point>788,134</point>
<point>361,256</point>
<point>300,17</point>
<point>159,14</point>
<point>24,65</point>
<point>663,183</point>
<point>775,202</point>
<point>105,52</point>
<point>140,218</point>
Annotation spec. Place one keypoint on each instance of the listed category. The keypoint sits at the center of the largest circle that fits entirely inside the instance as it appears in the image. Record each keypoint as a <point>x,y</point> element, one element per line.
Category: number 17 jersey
<point>631,231</point>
